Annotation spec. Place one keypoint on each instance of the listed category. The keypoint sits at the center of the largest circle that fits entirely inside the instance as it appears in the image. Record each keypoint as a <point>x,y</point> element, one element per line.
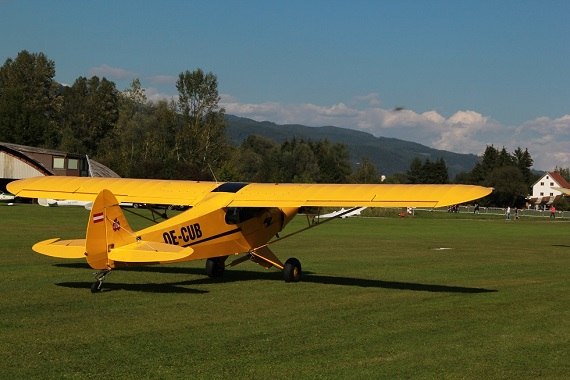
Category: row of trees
<point>186,139</point>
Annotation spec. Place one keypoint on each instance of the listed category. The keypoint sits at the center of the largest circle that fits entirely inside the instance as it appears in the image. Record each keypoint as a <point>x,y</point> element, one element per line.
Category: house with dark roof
<point>544,191</point>
<point>20,161</point>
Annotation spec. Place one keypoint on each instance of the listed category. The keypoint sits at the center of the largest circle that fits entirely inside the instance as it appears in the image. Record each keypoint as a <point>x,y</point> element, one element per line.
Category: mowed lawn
<point>454,297</point>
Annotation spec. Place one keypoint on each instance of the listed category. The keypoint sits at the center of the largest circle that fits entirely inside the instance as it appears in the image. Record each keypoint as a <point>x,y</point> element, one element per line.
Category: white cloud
<point>110,72</point>
<point>154,95</point>
<point>162,79</point>
<point>465,131</point>
<point>372,99</point>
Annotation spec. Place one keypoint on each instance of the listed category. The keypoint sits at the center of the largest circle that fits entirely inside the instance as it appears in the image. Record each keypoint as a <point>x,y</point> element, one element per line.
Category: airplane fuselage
<point>220,232</point>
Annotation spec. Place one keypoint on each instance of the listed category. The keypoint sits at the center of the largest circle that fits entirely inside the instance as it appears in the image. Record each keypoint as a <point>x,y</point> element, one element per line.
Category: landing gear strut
<point>97,286</point>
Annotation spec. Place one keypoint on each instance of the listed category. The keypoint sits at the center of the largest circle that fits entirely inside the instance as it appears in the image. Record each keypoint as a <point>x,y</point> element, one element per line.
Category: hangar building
<point>19,161</point>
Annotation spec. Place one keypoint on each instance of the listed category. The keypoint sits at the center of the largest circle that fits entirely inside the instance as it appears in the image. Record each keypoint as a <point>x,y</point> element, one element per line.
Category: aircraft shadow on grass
<point>238,275</point>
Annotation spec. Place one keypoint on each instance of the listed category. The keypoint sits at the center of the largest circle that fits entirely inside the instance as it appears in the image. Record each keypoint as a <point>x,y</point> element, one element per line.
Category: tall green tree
<point>257,160</point>
<point>140,143</point>
<point>524,162</point>
<point>90,111</point>
<point>509,174</point>
<point>488,162</point>
<point>297,162</point>
<point>200,142</point>
<point>29,100</point>
<point>437,171</point>
<point>428,171</point>
<point>333,161</point>
<point>415,172</point>
<point>509,186</point>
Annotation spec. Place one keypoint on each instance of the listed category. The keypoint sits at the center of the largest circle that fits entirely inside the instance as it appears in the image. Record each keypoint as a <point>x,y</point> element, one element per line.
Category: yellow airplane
<point>225,219</point>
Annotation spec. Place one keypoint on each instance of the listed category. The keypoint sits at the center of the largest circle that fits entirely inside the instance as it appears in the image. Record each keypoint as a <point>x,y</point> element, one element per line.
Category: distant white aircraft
<point>70,202</point>
<point>343,213</point>
<point>67,202</point>
<point>6,197</point>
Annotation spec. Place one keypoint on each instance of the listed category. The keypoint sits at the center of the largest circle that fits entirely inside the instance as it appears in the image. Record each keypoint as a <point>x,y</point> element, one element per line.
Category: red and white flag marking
<point>98,217</point>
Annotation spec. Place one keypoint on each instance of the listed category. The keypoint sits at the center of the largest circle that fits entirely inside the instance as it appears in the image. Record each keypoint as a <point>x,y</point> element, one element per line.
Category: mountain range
<point>390,155</point>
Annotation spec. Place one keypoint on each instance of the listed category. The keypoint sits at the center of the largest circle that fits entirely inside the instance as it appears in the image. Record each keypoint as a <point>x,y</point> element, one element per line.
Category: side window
<point>73,163</point>
<point>59,163</point>
<point>236,215</point>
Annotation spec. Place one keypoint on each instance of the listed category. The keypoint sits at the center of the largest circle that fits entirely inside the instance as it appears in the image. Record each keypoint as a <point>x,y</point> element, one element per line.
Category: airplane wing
<point>239,194</point>
<point>152,191</point>
<point>356,195</point>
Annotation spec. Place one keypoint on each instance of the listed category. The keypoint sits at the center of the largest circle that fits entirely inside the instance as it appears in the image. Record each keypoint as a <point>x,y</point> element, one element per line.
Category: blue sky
<point>468,73</point>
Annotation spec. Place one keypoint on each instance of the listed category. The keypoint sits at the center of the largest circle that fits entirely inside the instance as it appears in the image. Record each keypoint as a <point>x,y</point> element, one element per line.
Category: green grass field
<point>379,299</point>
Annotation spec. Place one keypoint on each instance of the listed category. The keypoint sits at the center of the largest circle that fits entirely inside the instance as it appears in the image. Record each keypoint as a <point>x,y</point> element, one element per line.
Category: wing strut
<point>263,256</point>
<point>311,225</point>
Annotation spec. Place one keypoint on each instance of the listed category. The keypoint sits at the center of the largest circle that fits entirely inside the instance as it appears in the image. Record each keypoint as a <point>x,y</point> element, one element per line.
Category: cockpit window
<point>237,215</point>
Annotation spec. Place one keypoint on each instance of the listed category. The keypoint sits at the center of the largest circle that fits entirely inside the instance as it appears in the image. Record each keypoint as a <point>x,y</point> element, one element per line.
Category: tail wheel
<point>292,270</point>
<point>215,267</point>
<point>96,287</point>
<point>100,276</point>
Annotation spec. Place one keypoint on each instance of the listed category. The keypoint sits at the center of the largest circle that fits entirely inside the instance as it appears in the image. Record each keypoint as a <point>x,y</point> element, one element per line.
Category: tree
<point>29,101</point>
<point>201,140</point>
<point>90,111</point>
<point>509,187</point>
<point>428,172</point>
<point>333,161</point>
<point>297,162</point>
<point>256,160</point>
<point>140,145</point>
<point>509,174</point>
<point>524,161</point>
<point>365,172</point>
<point>435,172</point>
<point>488,162</point>
<point>415,172</point>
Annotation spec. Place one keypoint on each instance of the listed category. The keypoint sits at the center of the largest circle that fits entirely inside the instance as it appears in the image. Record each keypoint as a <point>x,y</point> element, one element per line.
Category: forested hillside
<point>389,155</point>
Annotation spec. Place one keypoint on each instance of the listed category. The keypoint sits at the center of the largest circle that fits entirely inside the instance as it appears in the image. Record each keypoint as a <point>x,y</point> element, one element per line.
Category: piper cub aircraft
<point>224,219</point>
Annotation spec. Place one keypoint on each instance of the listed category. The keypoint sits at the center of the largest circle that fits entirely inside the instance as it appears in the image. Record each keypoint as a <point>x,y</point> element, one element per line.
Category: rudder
<point>107,228</point>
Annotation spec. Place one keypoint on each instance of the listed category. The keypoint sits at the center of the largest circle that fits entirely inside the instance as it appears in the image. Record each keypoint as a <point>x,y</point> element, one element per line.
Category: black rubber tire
<point>292,270</point>
<point>96,287</point>
<point>215,267</point>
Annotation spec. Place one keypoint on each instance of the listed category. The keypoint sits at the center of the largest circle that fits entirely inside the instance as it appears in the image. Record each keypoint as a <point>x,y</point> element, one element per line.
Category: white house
<point>544,190</point>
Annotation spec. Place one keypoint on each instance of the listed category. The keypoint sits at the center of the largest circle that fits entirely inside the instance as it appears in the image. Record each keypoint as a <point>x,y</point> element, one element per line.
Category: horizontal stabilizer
<point>149,252</point>
<point>65,249</point>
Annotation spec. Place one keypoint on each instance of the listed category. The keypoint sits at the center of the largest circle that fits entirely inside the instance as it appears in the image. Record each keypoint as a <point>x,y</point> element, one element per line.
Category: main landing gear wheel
<point>215,267</point>
<point>292,270</point>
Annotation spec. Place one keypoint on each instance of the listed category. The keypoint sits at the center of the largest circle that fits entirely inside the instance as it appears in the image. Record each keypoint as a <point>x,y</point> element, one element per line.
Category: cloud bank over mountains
<point>465,131</point>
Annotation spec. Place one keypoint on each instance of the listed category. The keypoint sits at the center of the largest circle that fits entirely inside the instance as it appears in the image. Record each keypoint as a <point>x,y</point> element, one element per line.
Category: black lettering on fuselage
<point>191,232</point>
<point>187,233</point>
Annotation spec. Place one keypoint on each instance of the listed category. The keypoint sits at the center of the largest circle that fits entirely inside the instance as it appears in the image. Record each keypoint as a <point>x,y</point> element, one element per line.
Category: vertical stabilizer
<point>107,228</point>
